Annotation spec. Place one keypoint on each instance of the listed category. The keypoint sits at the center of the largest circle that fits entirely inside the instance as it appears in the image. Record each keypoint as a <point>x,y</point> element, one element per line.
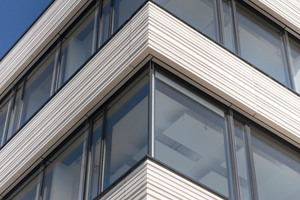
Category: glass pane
<point>295,61</point>
<point>242,164</point>
<point>14,121</point>
<point>4,120</point>
<point>229,40</point>
<point>78,46</point>
<point>38,87</point>
<point>123,9</point>
<point>30,190</point>
<point>189,135</point>
<point>277,168</point>
<point>104,24</point>
<point>95,157</point>
<point>261,44</point>
<point>65,175</point>
<point>201,14</point>
<point>127,130</point>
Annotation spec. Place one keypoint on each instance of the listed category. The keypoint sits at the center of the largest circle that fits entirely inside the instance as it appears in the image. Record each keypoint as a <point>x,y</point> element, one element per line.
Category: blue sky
<point>16,16</point>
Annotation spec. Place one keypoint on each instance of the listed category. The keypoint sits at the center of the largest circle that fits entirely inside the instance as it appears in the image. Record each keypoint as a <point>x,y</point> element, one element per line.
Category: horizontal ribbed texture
<point>152,181</point>
<point>287,11</point>
<point>224,73</point>
<point>33,42</point>
<point>153,31</point>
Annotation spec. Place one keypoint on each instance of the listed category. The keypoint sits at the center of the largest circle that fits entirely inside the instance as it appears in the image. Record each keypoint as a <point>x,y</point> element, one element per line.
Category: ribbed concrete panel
<point>153,31</point>
<point>201,59</point>
<point>152,181</point>
<point>164,184</point>
<point>134,186</point>
<point>71,104</point>
<point>223,73</point>
<point>276,106</point>
<point>287,11</point>
<point>40,34</point>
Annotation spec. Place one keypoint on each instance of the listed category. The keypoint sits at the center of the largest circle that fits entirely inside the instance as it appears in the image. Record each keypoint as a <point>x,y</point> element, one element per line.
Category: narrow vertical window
<point>229,36</point>
<point>105,22</point>
<point>294,56</point>
<point>190,134</point>
<point>242,161</point>
<point>126,137</point>
<point>4,119</point>
<point>95,159</point>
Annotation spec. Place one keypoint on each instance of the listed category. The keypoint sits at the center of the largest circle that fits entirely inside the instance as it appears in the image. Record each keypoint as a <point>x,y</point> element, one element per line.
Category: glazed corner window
<point>190,135</point>
<point>126,130</point>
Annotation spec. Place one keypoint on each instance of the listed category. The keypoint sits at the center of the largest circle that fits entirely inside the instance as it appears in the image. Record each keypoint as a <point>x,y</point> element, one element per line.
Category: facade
<point>163,99</point>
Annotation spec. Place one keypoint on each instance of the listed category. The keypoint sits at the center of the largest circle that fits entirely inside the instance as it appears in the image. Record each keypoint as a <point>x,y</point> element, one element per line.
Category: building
<point>134,99</point>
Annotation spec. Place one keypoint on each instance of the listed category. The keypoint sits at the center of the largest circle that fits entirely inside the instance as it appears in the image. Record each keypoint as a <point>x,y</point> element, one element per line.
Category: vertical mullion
<point>231,141</point>
<point>111,19</point>
<point>100,24</point>
<point>235,28</point>
<point>102,152</point>
<point>151,109</point>
<point>220,17</point>
<point>250,160</point>
<point>88,164</point>
<point>287,54</point>
<point>42,179</point>
<point>8,115</point>
<point>55,72</point>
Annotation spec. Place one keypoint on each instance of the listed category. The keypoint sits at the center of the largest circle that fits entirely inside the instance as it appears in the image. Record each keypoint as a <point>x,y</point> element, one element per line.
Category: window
<point>126,130</point>
<point>201,14</point>
<point>190,135</point>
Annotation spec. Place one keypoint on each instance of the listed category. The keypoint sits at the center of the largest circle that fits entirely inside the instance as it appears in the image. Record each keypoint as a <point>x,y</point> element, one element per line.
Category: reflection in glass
<point>123,9</point>
<point>104,23</point>
<point>242,164</point>
<point>78,46</point>
<point>126,130</point>
<point>201,14</point>
<point>189,135</point>
<point>294,50</point>
<point>261,44</point>
<point>277,168</point>
<point>38,87</point>
<point>229,39</point>
<point>4,120</point>
<point>94,184</point>
<point>14,122</point>
<point>65,173</point>
<point>30,189</point>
